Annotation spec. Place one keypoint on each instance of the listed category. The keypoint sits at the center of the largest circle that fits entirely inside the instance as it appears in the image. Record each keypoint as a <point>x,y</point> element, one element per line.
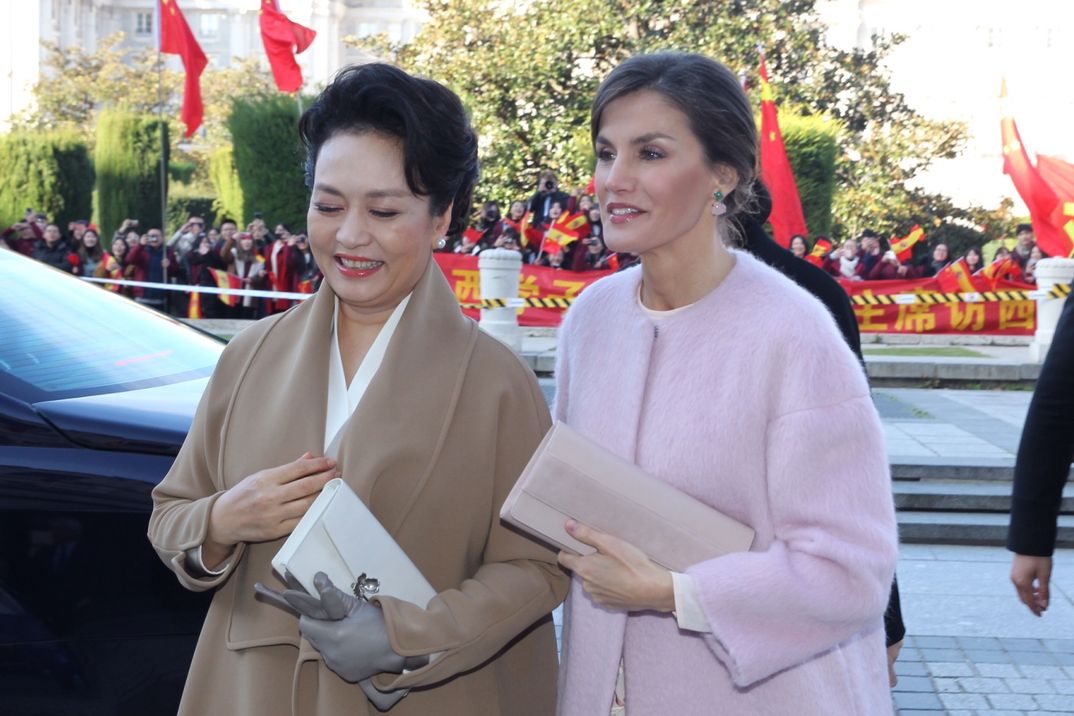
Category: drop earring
<point>718,207</point>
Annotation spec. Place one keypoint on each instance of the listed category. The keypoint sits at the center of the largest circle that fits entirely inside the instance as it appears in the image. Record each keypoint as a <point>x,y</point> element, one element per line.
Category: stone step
<point>980,528</point>
<point>963,496</point>
<point>952,468</point>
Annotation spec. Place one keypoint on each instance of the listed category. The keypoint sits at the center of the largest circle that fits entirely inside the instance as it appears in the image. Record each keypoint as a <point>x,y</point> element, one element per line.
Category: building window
<point>143,24</point>
<point>209,26</point>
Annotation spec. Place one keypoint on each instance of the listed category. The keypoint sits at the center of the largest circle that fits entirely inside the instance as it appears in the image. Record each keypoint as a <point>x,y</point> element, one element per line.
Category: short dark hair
<point>1022,228</point>
<point>869,234</point>
<point>439,144</point>
<point>226,220</point>
<point>709,95</point>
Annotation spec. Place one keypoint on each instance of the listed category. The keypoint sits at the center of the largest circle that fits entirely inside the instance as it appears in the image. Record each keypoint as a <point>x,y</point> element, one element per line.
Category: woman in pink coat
<point>720,376</point>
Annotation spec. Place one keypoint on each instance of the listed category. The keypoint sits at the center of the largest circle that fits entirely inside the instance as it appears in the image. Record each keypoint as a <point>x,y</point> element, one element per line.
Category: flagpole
<point>160,119</point>
<point>163,153</point>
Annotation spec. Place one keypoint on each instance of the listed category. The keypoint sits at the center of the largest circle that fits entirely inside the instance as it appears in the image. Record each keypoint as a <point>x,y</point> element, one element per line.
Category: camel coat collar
<point>405,402</point>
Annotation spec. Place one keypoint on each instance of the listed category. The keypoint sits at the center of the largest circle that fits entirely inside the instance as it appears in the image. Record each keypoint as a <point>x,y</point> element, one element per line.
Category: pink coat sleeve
<point>827,572</point>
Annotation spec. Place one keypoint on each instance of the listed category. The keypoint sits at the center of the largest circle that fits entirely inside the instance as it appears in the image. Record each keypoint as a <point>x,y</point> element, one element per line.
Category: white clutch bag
<point>339,536</point>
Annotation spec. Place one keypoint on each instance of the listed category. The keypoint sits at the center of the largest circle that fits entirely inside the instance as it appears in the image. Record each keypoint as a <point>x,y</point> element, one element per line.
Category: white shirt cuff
<point>193,558</point>
<point>688,611</point>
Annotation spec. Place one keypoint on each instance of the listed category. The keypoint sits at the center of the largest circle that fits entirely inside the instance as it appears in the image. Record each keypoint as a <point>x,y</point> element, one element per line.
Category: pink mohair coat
<point>750,401</point>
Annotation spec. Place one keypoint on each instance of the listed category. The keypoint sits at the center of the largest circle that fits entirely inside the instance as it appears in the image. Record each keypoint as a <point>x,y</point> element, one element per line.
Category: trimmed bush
<point>128,158</point>
<point>812,147</point>
<point>50,172</point>
<point>184,202</point>
<point>226,186</point>
<point>268,159</point>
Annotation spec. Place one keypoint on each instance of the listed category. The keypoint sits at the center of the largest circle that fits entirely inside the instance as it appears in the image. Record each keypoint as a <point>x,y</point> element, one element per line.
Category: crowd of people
<point>551,228</point>
<point>193,255</point>
<point>865,258</point>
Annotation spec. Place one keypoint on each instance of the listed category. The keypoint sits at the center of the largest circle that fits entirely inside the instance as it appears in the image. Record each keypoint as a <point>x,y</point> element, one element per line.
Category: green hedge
<point>226,186</point>
<point>184,202</point>
<point>50,172</point>
<point>812,147</point>
<point>268,159</point>
<point>128,159</point>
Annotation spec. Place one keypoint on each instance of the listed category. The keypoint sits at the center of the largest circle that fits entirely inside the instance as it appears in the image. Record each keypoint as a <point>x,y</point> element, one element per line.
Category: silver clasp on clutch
<point>365,587</point>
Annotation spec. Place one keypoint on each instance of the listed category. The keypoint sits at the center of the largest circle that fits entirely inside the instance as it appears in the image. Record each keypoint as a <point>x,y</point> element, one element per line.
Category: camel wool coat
<point>436,444</point>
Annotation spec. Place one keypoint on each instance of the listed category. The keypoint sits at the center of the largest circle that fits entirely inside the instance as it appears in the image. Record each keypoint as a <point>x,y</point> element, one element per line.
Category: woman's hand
<point>619,575</point>
<point>265,506</point>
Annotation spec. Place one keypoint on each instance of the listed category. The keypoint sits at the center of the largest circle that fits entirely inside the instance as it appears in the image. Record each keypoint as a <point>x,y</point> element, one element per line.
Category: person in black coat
<point>53,249</point>
<point>757,241</point>
<point>1042,467</point>
<point>548,193</point>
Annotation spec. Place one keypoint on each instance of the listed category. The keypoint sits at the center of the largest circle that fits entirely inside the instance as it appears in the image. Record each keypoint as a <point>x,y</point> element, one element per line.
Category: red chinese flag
<point>226,280</point>
<point>177,39</point>
<point>1060,177</point>
<point>955,278</point>
<point>820,249</point>
<point>904,248</point>
<point>786,218</point>
<point>1045,206</point>
<point>473,235</point>
<point>283,39</point>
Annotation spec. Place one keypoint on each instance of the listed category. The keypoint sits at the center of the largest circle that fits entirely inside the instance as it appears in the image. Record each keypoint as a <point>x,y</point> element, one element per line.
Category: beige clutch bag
<point>570,476</point>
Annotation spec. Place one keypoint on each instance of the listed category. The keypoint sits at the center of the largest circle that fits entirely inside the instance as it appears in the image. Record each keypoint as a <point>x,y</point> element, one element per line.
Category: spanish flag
<point>194,306</point>
<point>955,278</point>
<point>226,280</point>
<point>904,248</point>
<point>563,232</point>
<point>111,269</point>
<point>1005,269</point>
<point>822,248</point>
<point>527,232</point>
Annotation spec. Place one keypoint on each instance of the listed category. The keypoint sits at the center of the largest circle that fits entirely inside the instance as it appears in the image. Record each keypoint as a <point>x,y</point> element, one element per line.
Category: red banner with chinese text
<point>986,317</point>
<point>1013,318</point>
<point>537,282</point>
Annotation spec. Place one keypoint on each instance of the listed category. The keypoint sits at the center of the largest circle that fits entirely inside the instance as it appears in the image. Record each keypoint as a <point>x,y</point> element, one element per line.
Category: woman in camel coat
<point>447,421</point>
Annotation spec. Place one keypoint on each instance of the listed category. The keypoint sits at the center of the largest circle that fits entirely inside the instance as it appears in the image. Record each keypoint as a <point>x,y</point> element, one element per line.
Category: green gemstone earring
<point>718,207</point>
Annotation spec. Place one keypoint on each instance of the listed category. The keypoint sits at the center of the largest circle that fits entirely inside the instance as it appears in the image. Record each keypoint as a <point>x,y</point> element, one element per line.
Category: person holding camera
<point>548,193</point>
<point>489,224</point>
<point>183,241</point>
<point>22,236</point>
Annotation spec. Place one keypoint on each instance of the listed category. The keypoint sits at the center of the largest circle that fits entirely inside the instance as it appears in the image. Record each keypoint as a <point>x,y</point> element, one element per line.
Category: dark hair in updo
<point>439,145</point>
<point>709,95</point>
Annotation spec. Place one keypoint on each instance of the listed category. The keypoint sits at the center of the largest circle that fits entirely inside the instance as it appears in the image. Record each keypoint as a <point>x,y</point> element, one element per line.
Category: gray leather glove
<point>382,700</point>
<point>349,632</point>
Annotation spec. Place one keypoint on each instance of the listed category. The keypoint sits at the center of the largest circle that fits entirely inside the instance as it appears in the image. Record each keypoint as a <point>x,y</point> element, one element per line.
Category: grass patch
<point>926,352</point>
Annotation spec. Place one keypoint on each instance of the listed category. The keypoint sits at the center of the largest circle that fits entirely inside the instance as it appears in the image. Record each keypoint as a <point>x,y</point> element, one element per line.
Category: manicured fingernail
<point>571,525</point>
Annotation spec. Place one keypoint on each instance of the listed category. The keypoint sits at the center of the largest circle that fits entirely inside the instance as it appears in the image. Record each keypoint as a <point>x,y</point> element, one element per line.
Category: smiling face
<point>370,235</point>
<point>654,185</point>
<point>798,246</point>
<point>90,238</point>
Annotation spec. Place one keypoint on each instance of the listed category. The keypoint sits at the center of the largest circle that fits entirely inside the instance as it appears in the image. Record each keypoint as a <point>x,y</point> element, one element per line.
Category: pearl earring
<point>718,207</point>
<point>441,242</point>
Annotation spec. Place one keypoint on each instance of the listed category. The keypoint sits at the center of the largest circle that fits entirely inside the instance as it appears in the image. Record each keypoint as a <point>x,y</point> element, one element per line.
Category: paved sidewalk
<point>981,427</point>
<point>972,648</point>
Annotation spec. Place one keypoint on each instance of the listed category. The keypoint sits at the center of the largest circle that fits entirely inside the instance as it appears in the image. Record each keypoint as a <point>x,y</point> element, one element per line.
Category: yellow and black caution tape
<point>1060,290</point>
<point>552,302</point>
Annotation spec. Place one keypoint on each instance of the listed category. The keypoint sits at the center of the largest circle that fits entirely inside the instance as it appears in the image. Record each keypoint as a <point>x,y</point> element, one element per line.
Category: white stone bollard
<point>1049,272</point>
<point>501,270</point>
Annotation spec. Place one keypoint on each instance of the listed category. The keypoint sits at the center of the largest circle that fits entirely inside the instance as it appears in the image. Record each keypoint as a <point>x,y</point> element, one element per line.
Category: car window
<point>62,337</point>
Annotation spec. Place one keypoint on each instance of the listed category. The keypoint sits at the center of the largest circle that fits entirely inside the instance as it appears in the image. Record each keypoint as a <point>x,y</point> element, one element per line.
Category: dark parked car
<point>96,396</point>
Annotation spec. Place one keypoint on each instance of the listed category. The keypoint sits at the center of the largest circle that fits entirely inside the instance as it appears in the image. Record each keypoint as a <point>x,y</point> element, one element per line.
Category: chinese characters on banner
<point>537,282</point>
<point>1013,318</point>
<point>1002,317</point>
